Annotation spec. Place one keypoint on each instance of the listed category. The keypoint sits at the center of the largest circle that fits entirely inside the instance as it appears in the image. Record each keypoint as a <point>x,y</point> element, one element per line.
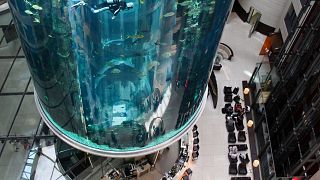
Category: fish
<point>112,42</point>
<point>153,64</point>
<point>166,54</point>
<point>36,20</point>
<point>36,7</point>
<point>185,3</point>
<point>169,14</point>
<point>194,25</point>
<point>28,12</point>
<point>118,61</point>
<point>137,36</point>
<point>141,1</point>
<point>115,71</point>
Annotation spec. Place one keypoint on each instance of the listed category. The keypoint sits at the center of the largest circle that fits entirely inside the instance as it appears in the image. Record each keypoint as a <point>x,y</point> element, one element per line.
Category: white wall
<point>271,10</point>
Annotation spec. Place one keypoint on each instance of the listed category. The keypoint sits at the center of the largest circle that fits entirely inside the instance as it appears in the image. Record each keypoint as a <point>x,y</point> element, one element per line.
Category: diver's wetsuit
<point>114,6</point>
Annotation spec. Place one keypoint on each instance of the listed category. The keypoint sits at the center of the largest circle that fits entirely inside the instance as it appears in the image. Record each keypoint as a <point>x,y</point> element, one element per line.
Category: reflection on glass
<point>120,75</point>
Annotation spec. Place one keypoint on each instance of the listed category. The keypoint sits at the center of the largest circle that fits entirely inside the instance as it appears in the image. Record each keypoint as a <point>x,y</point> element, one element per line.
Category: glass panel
<point>4,69</point>
<point>27,119</point>
<point>9,106</point>
<point>264,166</point>
<point>18,77</point>
<point>120,75</point>
<point>290,18</point>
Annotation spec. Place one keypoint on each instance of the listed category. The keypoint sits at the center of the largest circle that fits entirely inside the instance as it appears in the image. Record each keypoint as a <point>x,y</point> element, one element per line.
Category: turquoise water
<point>120,75</point>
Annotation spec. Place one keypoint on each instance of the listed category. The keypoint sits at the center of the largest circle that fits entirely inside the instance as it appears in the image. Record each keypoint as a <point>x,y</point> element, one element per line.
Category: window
<point>290,18</point>
<point>303,2</point>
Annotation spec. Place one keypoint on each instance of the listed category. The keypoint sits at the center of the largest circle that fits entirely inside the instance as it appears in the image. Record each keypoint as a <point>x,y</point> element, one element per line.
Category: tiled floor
<point>18,114</point>
<point>213,160</point>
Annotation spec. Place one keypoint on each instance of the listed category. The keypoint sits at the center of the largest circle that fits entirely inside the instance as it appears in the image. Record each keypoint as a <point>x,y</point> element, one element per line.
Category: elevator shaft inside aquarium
<point>120,77</point>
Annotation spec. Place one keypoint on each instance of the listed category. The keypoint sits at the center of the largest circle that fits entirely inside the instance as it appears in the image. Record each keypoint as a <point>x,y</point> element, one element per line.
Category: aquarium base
<point>120,154</point>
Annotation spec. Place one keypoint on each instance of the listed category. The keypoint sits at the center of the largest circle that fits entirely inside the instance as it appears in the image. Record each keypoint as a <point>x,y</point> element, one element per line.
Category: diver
<point>114,6</point>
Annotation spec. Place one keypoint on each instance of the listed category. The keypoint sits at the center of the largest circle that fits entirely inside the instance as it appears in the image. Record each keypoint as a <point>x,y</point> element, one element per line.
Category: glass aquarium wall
<point>120,77</point>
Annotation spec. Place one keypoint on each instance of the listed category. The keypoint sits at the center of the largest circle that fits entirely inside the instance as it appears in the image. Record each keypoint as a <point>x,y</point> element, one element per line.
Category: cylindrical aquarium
<point>120,78</point>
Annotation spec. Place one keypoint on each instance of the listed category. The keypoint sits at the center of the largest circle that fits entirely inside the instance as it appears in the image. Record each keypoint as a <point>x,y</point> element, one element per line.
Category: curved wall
<point>117,78</point>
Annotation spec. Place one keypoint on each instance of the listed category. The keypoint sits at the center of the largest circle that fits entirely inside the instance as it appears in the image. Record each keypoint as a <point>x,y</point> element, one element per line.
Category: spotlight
<point>250,123</point>
<point>246,90</point>
<point>256,163</point>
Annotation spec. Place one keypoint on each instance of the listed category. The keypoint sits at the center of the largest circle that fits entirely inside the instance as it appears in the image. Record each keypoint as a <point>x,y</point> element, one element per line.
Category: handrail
<point>229,48</point>
<point>292,34</point>
<point>255,71</point>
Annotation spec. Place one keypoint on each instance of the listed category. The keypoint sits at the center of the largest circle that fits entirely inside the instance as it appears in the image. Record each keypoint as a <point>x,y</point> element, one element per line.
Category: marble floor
<point>213,161</point>
<point>18,114</point>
